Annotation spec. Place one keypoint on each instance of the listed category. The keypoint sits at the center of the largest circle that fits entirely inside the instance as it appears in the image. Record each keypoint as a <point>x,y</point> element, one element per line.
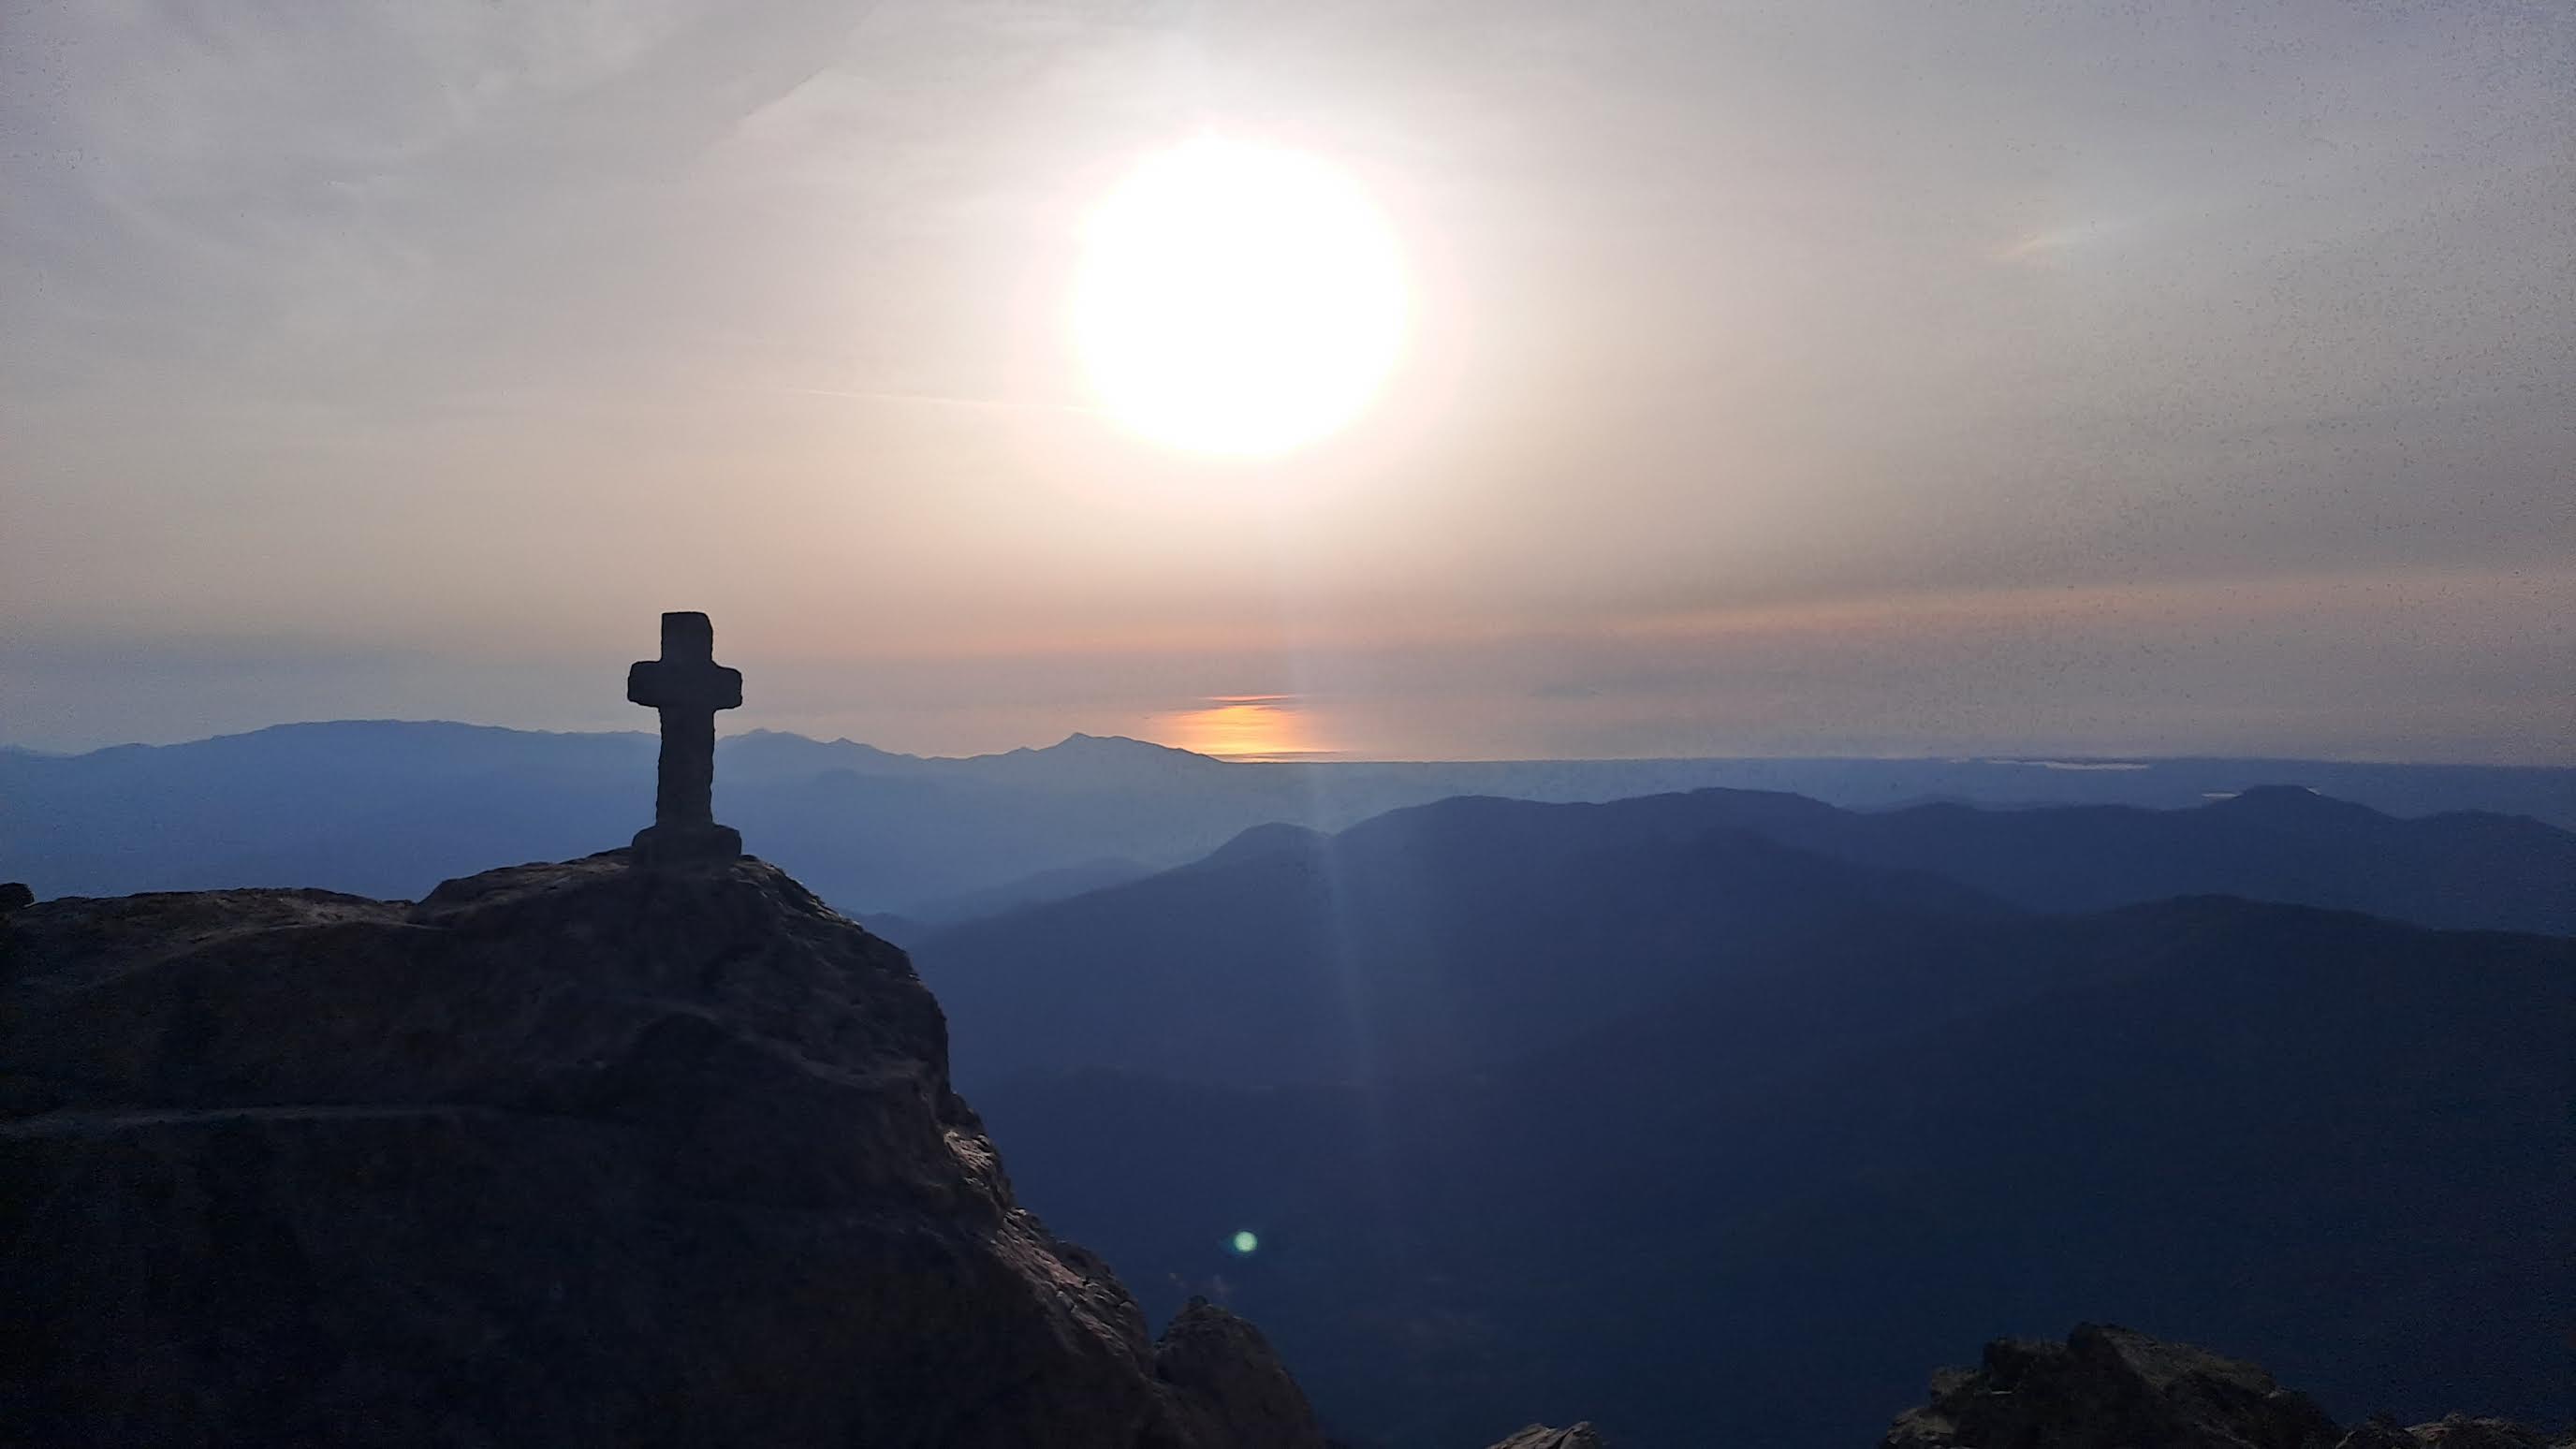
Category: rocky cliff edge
<point>569,1154</point>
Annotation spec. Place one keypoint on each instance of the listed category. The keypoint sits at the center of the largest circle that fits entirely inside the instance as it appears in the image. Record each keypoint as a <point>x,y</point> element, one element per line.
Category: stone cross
<point>687,686</point>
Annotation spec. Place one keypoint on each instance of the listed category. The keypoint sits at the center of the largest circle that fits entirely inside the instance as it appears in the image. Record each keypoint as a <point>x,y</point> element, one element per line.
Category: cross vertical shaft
<point>686,687</point>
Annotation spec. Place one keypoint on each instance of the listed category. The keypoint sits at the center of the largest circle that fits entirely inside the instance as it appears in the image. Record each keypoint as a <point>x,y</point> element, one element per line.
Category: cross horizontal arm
<point>663,685</point>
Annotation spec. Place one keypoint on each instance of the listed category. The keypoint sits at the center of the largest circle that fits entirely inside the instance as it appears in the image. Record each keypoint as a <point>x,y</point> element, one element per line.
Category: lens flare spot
<point>1244,1243</point>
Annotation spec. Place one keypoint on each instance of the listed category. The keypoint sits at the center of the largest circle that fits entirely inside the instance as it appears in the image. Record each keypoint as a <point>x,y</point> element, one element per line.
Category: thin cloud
<point>2056,241</point>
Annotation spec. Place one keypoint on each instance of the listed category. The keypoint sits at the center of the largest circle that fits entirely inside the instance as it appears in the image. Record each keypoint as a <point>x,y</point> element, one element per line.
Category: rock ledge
<point>567,1154</point>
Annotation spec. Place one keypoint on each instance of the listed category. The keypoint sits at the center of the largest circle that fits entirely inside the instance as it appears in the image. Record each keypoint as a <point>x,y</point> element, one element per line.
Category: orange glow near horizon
<point>1242,727</point>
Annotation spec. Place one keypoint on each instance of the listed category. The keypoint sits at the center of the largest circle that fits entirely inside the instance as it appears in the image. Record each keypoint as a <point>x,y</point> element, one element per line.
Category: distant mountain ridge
<point>2464,869</point>
<point>1450,936</point>
<point>1076,762</point>
<point>389,808</point>
<point>1295,957</point>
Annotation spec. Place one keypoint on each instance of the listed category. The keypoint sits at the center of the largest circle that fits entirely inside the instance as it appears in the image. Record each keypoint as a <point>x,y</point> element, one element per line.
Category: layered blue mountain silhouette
<point>1558,1106</point>
<point>1454,935</point>
<point>390,809</point>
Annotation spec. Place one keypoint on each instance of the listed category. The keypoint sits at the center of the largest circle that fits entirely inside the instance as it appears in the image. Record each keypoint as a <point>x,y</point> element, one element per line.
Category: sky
<point>1798,378</point>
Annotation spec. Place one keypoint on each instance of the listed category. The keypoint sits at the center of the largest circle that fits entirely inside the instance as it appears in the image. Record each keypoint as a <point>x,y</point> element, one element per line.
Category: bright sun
<point>1238,299</point>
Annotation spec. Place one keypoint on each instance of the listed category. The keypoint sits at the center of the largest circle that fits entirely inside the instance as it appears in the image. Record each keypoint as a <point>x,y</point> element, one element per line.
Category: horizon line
<point>1998,756</point>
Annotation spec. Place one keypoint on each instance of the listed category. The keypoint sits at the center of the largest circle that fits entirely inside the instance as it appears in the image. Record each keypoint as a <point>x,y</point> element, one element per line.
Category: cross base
<point>687,844</point>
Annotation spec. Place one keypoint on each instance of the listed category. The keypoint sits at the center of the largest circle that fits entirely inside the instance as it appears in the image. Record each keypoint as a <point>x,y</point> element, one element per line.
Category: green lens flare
<point>1245,1242</point>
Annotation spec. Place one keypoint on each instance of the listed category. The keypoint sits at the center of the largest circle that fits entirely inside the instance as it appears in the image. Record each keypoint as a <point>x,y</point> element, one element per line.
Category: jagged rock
<point>1235,1390</point>
<point>2110,1388</point>
<point>15,896</point>
<point>2379,1432</point>
<point>1540,1436</point>
<point>564,1155</point>
<point>2459,1431</point>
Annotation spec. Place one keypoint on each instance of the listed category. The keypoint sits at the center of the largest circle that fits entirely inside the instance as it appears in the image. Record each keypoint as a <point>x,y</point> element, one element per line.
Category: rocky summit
<point>2114,1388</point>
<point>575,1154</point>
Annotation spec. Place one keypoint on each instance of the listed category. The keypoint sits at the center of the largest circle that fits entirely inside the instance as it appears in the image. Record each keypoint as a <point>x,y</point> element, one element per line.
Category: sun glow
<point>1242,727</point>
<point>1238,299</point>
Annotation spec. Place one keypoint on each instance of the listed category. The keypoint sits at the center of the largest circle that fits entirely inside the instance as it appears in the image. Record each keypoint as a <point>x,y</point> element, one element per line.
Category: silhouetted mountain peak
<point>405,730</point>
<point>1118,747</point>
<point>2293,803</point>
<point>772,754</point>
<point>1089,762</point>
<point>1278,839</point>
<point>1671,818</point>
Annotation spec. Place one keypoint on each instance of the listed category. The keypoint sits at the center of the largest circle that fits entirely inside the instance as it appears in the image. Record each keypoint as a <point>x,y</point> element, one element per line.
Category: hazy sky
<point>1785,378</point>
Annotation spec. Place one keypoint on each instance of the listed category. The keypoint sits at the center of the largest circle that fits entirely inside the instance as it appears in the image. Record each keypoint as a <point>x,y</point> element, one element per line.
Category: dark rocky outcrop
<point>563,1154</point>
<point>1233,1389</point>
<point>2105,1388</point>
<point>1539,1436</point>
<point>2459,1431</point>
<point>2112,1388</point>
